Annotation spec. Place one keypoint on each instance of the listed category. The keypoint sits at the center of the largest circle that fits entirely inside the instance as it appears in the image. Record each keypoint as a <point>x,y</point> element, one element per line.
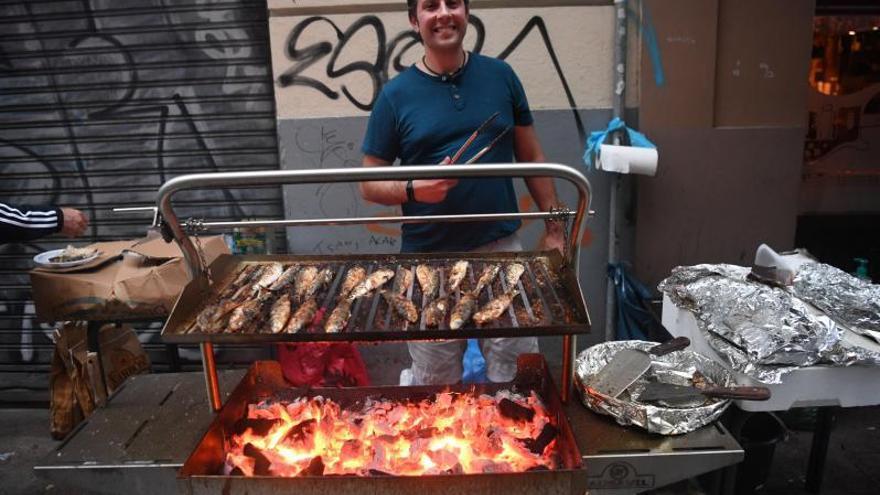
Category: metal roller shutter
<point>103,100</point>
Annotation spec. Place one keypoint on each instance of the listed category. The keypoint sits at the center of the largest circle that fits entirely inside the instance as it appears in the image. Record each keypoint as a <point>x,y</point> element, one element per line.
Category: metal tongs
<point>473,136</point>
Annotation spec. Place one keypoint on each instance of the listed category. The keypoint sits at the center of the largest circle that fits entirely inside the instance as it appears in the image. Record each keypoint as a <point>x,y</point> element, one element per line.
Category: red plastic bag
<point>322,364</point>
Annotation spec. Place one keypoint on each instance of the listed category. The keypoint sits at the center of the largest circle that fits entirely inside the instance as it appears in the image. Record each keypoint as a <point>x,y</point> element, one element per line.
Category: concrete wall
<point>729,118</point>
<point>562,52</point>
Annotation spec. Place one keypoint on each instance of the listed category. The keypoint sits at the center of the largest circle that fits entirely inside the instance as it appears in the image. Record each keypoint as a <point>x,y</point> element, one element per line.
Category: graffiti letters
<point>387,57</point>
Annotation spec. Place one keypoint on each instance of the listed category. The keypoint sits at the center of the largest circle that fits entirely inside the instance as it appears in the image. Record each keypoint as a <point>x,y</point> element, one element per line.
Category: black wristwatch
<point>410,191</point>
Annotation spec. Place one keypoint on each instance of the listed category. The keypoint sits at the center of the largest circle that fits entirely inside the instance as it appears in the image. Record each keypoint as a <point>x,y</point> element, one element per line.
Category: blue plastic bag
<point>474,364</point>
<point>634,320</point>
<point>636,139</point>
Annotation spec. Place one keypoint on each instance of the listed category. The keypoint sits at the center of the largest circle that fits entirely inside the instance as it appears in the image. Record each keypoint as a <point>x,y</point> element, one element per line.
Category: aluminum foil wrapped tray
<point>847,299</point>
<point>767,331</point>
<point>677,368</point>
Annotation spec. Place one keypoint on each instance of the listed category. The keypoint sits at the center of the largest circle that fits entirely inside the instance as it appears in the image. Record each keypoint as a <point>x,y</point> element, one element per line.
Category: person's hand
<point>433,190</point>
<point>553,238</point>
<point>75,222</point>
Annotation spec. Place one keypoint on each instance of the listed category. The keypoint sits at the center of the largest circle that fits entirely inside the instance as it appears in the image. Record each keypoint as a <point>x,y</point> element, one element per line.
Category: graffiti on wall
<point>102,102</point>
<point>322,53</point>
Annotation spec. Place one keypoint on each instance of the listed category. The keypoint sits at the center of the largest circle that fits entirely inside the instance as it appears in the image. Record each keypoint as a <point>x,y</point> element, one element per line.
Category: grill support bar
<point>212,383</point>
<point>173,229</point>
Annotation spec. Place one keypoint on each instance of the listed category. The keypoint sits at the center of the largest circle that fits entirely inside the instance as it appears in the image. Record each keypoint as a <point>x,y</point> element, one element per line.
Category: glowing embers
<point>449,433</point>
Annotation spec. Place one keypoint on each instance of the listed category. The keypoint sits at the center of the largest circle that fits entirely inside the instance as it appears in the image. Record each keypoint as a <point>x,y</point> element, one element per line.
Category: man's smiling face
<point>441,23</point>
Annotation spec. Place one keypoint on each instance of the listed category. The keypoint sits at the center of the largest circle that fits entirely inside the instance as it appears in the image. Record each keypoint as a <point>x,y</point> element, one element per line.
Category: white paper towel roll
<point>627,159</point>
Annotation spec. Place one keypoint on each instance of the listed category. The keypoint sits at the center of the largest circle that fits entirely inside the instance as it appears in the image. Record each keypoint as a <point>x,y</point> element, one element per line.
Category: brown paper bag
<point>64,411</point>
<point>76,387</point>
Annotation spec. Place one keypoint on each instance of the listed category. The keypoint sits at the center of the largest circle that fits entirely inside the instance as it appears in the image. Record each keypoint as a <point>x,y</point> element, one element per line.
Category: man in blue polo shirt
<point>423,116</point>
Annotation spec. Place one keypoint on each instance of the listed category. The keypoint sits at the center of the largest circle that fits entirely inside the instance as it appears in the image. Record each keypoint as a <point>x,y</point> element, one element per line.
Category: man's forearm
<point>543,191</point>
<point>386,192</point>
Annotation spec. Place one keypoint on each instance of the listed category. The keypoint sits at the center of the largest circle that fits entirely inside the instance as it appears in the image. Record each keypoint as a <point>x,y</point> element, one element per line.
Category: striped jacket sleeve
<point>24,223</point>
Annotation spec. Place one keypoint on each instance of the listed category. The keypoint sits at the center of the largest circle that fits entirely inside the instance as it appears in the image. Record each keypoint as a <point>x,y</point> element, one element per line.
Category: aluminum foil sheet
<point>849,300</point>
<point>677,368</point>
<point>676,284</point>
<point>759,330</point>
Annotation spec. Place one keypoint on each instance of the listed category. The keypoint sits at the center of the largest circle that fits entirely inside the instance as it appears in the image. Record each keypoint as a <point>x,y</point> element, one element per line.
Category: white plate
<point>42,259</point>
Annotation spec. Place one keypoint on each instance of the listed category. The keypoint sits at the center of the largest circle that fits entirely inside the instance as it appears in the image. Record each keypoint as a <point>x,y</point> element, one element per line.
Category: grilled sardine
<point>456,275</point>
<point>495,307</point>
<point>324,277</point>
<point>435,312</point>
<point>205,319</point>
<point>353,277</point>
<point>463,310</point>
<point>486,278</point>
<point>245,275</point>
<point>402,280</point>
<point>512,273</point>
<point>279,314</point>
<point>373,281</point>
<point>270,274</point>
<point>429,280</point>
<point>303,316</point>
<point>241,294</point>
<point>403,306</point>
<point>339,316</point>
<point>306,282</point>
<point>244,314</point>
<point>284,279</point>
<point>213,317</point>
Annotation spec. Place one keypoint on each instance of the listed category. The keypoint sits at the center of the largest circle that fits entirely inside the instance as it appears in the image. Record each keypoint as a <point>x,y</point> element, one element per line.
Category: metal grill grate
<point>549,301</point>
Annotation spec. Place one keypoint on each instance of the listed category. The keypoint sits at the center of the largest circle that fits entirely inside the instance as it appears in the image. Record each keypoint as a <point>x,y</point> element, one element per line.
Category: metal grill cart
<point>601,456</point>
<point>177,329</point>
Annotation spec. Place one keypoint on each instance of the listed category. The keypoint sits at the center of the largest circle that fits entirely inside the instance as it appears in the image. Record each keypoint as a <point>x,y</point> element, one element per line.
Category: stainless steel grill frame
<point>173,229</point>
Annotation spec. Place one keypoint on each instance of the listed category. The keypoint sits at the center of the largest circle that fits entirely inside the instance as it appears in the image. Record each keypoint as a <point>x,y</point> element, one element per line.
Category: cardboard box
<point>131,279</point>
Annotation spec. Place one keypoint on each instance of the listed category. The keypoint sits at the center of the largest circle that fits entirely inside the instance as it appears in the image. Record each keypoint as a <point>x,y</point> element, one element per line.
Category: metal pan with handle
<point>671,393</point>
<point>629,365</point>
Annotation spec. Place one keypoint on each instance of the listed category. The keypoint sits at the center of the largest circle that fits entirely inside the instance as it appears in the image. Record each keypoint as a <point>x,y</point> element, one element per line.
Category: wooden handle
<point>675,344</point>
<point>740,393</point>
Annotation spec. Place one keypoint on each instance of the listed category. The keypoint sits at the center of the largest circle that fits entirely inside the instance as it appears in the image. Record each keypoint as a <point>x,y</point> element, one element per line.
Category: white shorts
<point>439,362</point>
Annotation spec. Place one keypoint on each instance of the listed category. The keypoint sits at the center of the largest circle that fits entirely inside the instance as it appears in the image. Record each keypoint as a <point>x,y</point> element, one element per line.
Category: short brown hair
<point>412,4</point>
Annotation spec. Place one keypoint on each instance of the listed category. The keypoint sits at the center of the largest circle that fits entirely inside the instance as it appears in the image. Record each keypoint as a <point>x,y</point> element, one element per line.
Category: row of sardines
<point>278,298</point>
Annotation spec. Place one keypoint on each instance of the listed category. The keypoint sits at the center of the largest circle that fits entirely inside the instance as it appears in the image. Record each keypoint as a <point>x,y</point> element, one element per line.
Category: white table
<point>825,387</point>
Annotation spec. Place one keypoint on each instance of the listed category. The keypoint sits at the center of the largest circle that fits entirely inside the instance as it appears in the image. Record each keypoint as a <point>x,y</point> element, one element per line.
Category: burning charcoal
<point>259,426</point>
<point>455,469</point>
<point>389,439</point>
<point>236,471</point>
<point>539,467</point>
<point>492,443</point>
<point>261,463</point>
<point>496,467</point>
<point>537,445</point>
<point>427,432</point>
<point>315,467</point>
<point>376,472</point>
<point>351,448</point>
<point>443,458</point>
<point>512,410</point>
<point>299,431</point>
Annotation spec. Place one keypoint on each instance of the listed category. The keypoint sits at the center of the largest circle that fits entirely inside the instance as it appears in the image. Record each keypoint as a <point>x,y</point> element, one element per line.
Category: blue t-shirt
<point>421,119</point>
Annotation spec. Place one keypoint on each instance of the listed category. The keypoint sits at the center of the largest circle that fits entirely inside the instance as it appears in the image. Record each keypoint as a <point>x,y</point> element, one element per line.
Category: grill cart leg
<point>569,348</point>
<point>211,382</point>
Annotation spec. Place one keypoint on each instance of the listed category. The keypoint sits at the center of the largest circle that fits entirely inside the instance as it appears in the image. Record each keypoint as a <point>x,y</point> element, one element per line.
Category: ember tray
<point>202,473</point>
<point>549,302</point>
